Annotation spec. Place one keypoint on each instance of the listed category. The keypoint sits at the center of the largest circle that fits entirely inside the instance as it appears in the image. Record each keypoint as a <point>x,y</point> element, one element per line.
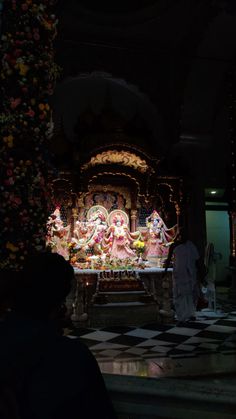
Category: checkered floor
<point>210,333</point>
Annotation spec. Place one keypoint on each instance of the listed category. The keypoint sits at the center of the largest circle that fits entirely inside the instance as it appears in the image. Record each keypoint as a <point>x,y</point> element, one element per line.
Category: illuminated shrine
<point>115,214</point>
<point>122,214</point>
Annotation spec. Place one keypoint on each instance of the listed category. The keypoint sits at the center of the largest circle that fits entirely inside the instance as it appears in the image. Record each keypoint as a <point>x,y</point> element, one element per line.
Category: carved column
<point>133,220</point>
<point>74,218</point>
<point>177,211</point>
<point>80,204</point>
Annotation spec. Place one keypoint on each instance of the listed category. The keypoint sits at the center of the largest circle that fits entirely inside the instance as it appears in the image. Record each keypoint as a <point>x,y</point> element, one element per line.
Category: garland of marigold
<point>27,78</point>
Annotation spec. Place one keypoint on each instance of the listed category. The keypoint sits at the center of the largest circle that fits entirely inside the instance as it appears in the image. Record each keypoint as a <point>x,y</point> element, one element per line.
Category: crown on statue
<point>57,212</point>
<point>117,219</point>
<point>154,215</point>
<point>97,215</point>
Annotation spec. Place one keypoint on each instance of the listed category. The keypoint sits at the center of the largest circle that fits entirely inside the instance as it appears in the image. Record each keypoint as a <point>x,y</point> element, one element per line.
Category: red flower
<point>15,200</point>
<point>17,52</point>
<point>36,36</point>
<point>30,113</point>
<point>15,102</point>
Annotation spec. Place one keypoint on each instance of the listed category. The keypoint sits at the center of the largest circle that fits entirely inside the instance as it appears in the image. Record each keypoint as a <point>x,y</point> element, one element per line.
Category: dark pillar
<point>196,218</point>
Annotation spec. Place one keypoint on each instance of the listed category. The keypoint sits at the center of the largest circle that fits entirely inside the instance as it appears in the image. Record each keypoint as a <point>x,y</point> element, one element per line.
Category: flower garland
<point>27,78</point>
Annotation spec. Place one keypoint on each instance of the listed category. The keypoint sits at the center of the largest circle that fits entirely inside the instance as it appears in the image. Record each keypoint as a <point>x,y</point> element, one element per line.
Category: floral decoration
<point>139,245</point>
<point>27,78</point>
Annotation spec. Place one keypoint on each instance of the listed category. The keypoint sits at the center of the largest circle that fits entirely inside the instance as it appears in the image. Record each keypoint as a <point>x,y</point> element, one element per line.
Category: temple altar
<point>149,301</point>
<point>115,224</point>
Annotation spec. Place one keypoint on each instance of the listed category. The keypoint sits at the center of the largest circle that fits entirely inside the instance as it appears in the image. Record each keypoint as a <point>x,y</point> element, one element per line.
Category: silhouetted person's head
<point>44,283</point>
<point>182,235</point>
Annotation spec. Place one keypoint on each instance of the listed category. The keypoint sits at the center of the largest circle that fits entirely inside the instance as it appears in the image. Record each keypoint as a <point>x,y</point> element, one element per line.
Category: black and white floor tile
<point>212,332</point>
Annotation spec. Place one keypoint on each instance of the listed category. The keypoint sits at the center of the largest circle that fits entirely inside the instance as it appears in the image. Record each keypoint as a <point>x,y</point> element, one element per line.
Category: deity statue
<point>118,239</point>
<point>157,236</point>
<point>89,235</point>
<point>98,220</point>
<point>57,234</point>
<point>81,233</point>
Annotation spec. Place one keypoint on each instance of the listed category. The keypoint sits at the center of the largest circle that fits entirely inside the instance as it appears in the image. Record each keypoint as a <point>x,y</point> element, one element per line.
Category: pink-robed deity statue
<point>118,239</point>
<point>157,236</point>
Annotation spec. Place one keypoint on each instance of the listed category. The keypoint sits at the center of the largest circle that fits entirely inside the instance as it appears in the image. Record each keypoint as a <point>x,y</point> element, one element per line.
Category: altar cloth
<point>144,271</point>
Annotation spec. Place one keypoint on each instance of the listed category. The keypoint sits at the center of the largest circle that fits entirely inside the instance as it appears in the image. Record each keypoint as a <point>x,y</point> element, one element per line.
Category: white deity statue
<point>57,234</point>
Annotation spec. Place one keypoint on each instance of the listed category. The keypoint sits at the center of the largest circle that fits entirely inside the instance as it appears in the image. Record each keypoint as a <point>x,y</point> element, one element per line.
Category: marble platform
<point>124,308</point>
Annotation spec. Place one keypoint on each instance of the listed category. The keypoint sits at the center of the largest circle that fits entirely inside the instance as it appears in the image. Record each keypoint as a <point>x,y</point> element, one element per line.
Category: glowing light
<point>213,192</point>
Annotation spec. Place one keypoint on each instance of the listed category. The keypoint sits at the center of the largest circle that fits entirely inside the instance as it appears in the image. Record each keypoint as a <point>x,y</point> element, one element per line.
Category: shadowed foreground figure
<point>50,375</point>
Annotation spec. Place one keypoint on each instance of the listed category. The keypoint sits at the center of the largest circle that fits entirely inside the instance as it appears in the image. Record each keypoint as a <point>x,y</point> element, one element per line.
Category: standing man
<point>185,287</point>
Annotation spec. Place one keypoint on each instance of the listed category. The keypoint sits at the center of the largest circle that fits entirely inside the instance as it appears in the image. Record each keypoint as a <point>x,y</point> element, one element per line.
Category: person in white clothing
<point>185,286</point>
